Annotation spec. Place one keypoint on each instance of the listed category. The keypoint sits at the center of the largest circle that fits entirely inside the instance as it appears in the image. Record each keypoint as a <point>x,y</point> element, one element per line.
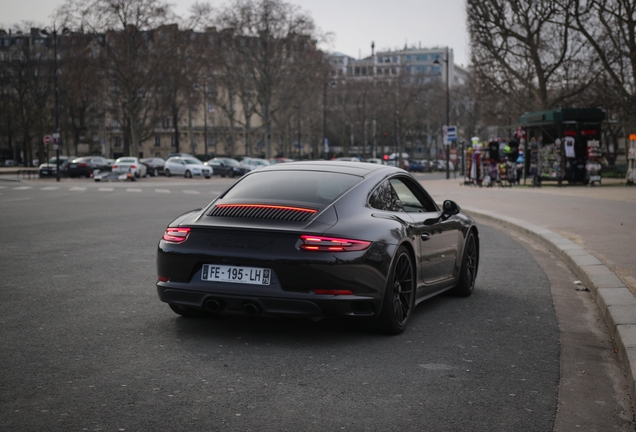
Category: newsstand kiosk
<point>563,145</point>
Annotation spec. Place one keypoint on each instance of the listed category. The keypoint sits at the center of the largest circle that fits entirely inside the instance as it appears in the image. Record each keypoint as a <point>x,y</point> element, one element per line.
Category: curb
<point>616,302</point>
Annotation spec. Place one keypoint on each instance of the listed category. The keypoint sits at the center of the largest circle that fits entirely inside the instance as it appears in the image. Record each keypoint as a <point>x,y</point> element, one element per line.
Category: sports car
<point>318,239</point>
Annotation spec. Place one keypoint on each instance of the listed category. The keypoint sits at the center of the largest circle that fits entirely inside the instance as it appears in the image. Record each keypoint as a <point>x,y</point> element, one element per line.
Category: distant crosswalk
<point>107,189</point>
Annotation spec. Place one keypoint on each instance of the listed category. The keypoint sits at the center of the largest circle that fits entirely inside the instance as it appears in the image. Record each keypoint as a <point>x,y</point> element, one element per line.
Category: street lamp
<point>45,33</point>
<point>437,62</point>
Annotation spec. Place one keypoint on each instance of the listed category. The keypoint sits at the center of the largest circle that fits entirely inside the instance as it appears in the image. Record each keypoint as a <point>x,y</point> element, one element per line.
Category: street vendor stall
<point>563,145</point>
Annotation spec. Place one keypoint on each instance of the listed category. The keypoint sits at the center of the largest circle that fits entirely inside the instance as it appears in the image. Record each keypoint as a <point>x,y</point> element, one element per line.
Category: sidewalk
<point>593,229</point>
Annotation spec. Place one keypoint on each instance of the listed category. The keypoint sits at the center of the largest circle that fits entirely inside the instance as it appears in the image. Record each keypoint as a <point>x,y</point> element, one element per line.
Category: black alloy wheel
<point>470,265</point>
<point>399,296</point>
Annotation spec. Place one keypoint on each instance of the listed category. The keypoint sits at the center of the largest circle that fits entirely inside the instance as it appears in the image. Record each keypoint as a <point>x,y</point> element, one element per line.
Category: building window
<point>157,141</point>
<point>117,142</point>
<point>210,106</point>
<point>172,141</point>
<point>165,124</point>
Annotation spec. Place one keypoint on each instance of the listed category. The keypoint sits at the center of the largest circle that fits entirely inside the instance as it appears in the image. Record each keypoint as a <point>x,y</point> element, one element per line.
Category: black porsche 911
<point>318,239</point>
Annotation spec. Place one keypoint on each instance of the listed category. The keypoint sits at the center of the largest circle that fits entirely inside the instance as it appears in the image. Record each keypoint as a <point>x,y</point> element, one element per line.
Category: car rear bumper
<point>293,304</point>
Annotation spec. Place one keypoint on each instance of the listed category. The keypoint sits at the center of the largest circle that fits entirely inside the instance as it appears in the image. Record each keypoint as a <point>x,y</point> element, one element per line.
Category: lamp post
<point>298,129</point>
<point>46,33</point>
<point>447,110</point>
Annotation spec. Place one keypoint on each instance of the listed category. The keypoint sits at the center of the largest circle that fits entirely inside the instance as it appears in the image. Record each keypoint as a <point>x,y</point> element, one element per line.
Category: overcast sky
<point>354,24</point>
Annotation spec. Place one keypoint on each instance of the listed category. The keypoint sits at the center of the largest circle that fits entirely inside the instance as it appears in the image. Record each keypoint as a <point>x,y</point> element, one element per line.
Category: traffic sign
<point>47,139</point>
<point>450,134</point>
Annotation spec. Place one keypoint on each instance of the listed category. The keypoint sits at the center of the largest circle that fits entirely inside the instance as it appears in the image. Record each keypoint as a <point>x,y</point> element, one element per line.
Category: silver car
<point>186,166</point>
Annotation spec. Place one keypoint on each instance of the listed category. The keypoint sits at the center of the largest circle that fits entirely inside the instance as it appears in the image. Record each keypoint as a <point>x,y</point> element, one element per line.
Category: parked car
<point>254,163</point>
<point>392,160</point>
<point>416,166</point>
<point>441,165</point>
<point>130,165</point>
<point>375,161</point>
<point>186,166</point>
<point>348,159</point>
<point>280,160</point>
<point>155,165</point>
<point>227,167</point>
<point>87,165</point>
<point>178,154</point>
<point>310,239</point>
<point>49,168</point>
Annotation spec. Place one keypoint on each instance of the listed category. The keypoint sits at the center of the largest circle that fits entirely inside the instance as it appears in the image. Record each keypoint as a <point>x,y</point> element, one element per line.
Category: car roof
<point>355,168</point>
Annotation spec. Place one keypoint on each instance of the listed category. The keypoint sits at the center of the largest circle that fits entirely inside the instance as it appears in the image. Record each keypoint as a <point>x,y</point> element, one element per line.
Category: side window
<point>385,198</point>
<point>413,199</point>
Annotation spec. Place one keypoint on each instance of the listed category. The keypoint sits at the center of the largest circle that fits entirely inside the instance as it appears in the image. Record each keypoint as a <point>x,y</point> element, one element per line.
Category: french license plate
<point>247,275</point>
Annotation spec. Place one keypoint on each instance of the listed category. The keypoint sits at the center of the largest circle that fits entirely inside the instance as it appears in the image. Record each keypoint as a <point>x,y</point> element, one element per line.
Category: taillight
<point>332,292</point>
<point>162,279</point>
<point>331,244</point>
<point>176,235</point>
<point>82,165</point>
<point>133,166</point>
<point>115,166</point>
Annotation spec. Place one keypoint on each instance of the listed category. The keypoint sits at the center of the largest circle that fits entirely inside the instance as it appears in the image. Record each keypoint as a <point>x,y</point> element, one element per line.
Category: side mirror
<point>449,208</point>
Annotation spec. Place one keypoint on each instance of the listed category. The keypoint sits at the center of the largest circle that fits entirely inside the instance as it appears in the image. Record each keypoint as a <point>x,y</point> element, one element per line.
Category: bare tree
<point>526,51</point>
<point>134,60</point>
<point>274,40</point>
<point>609,27</point>
<point>81,83</point>
<point>28,84</point>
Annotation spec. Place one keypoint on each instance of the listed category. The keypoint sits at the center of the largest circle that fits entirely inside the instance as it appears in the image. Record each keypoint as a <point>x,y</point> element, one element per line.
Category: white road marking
<point>133,190</point>
<point>106,189</point>
<point>51,188</point>
<point>193,192</point>
<point>22,187</point>
<point>162,190</point>
<point>80,189</point>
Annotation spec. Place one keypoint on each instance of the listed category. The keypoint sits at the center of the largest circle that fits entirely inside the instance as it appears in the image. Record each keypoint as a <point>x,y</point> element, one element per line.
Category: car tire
<point>207,177</point>
<point>468,271</point>
<point>187,174</point>
<point>167,173</point>
<point>399,294</point>
<point>231,173</point>
<point>223,175</point>
<point>187,312</point>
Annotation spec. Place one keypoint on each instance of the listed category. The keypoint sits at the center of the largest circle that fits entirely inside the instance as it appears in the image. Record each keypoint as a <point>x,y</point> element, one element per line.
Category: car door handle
<point>425,236</point>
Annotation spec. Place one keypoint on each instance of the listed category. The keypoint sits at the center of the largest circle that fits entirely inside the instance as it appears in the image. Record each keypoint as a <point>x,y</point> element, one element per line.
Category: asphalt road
<point>87,345</point>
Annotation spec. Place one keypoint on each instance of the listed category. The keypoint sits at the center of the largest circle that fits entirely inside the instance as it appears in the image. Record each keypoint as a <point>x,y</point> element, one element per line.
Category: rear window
<point>308,186</point>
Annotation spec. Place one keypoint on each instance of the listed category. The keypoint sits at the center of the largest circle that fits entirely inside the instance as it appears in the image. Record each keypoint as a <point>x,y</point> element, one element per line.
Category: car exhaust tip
<point>251,309</point>
<point>213,306</point>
